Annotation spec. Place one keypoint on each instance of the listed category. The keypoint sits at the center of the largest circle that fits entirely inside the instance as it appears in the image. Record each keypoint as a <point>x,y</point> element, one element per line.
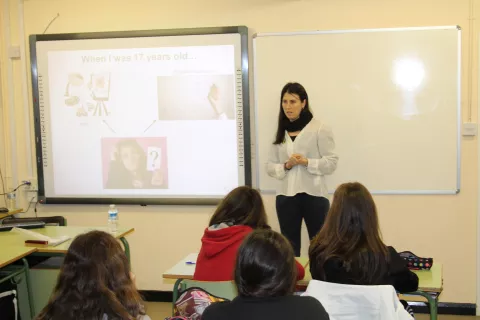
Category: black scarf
<point>300,123</point>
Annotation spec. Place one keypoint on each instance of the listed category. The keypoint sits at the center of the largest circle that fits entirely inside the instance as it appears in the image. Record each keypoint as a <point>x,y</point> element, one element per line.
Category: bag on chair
<point>415,262</point>
<point>192,302</point>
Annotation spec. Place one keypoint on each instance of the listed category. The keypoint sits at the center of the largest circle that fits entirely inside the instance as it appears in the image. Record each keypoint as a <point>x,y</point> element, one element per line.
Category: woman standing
<point>302,153</point>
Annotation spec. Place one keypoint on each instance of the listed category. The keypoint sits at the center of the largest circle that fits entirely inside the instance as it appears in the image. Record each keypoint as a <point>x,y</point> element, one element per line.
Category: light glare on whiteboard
<point>408,73</point>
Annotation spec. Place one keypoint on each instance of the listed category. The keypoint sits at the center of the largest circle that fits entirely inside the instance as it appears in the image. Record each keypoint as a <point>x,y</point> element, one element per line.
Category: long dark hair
<point>94,281</point>
<point>242,206</point>
<point>265,265</point>
<point>291,88</point>
<point>351,234</point>
<point>135,146</point>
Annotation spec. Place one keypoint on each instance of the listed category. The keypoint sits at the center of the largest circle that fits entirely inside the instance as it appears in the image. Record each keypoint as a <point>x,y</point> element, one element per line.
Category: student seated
<point>94,283</point>
<point>349,248</point>
<point>265,275</point>
<point>240,212</point>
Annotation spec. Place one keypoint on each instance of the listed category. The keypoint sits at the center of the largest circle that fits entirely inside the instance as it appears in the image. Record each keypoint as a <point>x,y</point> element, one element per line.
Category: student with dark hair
<point>349,248</point>
<point>239,213</point>
<point>95,283</point>
<point>265,275</point>
<point>301,155</point>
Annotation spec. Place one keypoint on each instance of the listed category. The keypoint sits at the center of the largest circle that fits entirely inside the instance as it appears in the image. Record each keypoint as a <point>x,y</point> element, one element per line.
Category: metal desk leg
<point>432,303</point>
<point>29,288</point>
<point>127,247</point>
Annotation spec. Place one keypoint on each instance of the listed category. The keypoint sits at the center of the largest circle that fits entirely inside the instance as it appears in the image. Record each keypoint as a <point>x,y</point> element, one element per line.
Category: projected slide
<point>123,120</point>
<point>205,97</point>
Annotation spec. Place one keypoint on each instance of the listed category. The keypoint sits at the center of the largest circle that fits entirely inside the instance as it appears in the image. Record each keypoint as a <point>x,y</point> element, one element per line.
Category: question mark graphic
<point>155,157</point>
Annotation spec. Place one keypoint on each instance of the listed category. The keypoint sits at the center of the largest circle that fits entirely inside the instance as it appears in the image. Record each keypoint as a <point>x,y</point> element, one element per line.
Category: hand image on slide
<point>135,163</point>
<point>196,97</point>
<point>75,83</point>
<point>213,98</point>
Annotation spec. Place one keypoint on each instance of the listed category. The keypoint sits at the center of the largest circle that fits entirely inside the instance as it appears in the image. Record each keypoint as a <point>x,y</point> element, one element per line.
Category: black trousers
<point>292,210</point>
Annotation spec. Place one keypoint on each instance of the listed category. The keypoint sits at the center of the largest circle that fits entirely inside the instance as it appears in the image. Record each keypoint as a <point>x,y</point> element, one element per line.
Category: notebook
<point>32,235</point>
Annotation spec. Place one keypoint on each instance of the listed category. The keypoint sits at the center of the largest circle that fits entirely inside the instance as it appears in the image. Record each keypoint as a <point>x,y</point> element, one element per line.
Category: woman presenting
<point>302,153</point>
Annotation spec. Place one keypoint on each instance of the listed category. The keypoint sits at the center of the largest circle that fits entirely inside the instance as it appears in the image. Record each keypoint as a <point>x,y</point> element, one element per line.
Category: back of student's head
<point>242,206</point>
<point>350,230</point>
<point>265,265</point>
<point>94,281</point>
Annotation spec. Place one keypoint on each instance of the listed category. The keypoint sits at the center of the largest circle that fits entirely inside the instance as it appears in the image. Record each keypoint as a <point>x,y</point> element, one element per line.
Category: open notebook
<point>32,235</point>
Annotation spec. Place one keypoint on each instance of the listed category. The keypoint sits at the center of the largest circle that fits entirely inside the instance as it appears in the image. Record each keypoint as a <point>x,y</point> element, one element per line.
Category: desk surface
<point>9,254</point>
<point>13,239</point>
<point>429,281</point>
<point>186,270</point>
<point>9,213</point>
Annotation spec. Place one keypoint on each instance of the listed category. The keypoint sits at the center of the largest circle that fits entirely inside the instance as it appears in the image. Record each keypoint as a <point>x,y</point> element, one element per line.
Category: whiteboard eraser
<point>469,129</point>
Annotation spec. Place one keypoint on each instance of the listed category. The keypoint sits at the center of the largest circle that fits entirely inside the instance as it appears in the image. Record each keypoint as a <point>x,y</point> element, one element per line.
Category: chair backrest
<point>49,221</point>
<point>353,302</point>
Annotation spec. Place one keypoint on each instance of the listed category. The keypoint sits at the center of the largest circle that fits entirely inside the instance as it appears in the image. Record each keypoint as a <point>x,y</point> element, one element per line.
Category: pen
<point>190,262</point>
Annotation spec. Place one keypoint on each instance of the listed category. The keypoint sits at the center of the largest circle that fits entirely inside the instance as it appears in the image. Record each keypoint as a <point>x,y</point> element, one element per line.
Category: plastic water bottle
<point>112,218</point>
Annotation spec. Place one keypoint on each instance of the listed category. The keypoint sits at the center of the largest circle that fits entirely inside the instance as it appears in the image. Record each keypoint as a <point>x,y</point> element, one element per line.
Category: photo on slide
<point>135,163</point>
<point>196,97</point>
<point>88,95</point>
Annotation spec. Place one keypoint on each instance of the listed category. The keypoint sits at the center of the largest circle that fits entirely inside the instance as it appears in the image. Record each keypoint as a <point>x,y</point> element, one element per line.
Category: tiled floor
<point>161,310</point>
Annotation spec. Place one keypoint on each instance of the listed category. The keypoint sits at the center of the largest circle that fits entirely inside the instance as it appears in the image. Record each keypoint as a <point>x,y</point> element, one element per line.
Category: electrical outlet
<point>14,52</point>
<point>33,187</point>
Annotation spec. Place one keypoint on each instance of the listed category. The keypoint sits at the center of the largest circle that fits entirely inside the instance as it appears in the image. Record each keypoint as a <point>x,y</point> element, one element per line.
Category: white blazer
<point>316,143</point>
<point>353,302</point>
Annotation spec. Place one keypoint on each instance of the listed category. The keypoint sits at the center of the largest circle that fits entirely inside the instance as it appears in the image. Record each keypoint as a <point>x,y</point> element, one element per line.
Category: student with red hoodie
<point>239,213</point>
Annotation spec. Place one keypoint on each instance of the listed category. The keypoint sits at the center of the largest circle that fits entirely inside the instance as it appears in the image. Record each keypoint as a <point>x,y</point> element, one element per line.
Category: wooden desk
<point>430,282</point>
<point>9,213</point>
<point>184,270</point>
<point>10,254</point>
<point>13,239</point>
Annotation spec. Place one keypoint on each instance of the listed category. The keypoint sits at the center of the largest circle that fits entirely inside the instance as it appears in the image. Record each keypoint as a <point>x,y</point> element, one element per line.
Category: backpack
<point>192,303</point>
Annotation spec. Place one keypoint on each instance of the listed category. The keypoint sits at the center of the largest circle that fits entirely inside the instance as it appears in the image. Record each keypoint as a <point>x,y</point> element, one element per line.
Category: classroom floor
<point>161,310</point>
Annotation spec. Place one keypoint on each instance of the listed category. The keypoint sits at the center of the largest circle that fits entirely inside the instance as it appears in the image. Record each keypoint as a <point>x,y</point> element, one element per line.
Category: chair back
<point>354,302</point>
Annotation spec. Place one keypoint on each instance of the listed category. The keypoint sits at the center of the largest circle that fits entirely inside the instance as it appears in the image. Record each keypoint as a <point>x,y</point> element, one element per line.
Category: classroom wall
<point>3,154</point>
<point>443,227</point>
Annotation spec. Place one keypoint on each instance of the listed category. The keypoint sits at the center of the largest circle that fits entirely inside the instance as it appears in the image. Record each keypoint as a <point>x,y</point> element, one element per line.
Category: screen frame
<point>247,163</point>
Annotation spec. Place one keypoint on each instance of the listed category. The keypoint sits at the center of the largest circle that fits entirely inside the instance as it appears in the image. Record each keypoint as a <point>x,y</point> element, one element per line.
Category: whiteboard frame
<point>243,146</point>
<point>459,101</point>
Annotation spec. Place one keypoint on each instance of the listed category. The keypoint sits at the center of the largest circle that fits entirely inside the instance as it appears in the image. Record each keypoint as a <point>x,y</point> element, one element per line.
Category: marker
<point>190,262</point>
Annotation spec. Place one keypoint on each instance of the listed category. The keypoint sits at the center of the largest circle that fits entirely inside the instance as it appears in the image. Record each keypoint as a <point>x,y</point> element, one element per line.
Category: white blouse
<point>315,142</point>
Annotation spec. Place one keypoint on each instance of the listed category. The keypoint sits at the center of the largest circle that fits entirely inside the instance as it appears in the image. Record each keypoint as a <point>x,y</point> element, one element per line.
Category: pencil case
<point>415,262</point>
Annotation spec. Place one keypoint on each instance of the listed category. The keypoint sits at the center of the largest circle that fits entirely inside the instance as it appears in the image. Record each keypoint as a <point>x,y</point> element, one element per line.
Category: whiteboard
<point>391,96</point>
